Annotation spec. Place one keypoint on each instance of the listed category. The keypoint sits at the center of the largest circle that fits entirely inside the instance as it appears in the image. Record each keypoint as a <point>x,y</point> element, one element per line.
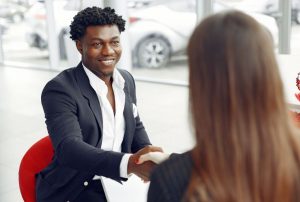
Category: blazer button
<point>86,183</point>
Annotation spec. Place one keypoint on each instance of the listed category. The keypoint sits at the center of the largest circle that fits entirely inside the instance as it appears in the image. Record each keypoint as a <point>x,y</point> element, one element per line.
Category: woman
<point>247,147</point>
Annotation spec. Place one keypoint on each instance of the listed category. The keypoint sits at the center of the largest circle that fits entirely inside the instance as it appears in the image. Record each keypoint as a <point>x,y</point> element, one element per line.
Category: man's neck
<point>106,78</point>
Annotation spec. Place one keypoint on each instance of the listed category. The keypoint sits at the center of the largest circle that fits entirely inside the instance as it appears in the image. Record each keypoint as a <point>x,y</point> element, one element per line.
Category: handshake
<point>142,162</point>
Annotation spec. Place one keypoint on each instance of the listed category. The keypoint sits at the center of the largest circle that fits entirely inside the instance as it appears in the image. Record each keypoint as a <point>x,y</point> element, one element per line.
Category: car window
<point>77,5</point>
<point>220,6</point>
<point>73,5</point>
<point>177,5</point>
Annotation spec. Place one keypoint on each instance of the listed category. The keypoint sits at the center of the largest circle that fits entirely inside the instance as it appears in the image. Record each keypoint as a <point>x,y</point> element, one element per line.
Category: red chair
<point>37,157</point>
<point>296,118</point>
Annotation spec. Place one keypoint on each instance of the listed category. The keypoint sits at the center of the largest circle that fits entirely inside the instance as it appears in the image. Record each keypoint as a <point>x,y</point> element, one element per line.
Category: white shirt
<point>113,124</point>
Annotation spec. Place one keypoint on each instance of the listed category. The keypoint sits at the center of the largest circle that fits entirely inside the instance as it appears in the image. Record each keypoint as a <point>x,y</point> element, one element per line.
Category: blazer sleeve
<point>157,190</point>
<point>60,110</point>
<point>170,179</point>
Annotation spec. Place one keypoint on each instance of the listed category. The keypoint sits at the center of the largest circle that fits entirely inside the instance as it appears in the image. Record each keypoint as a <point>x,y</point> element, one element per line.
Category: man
<point>91,116</point>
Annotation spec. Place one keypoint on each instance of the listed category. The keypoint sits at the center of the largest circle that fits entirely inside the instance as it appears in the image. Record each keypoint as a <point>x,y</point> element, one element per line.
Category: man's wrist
<point>124,166</point>
<point>131,164</point>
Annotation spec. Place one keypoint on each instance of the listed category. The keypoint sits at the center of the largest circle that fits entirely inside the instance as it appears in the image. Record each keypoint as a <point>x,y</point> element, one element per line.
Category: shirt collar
<point>118,80</point>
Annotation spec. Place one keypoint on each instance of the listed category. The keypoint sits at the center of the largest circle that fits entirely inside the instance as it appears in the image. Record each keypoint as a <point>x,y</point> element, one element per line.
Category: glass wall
<point>295,36</point>
<point>25,40</point>
<point>17,43</point>
<point>159,34</point>
<point>158,31</point>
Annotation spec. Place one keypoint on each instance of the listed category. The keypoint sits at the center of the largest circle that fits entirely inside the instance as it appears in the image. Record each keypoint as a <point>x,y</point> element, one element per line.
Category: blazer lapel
<point>89,93</point>
<point>129,121</point>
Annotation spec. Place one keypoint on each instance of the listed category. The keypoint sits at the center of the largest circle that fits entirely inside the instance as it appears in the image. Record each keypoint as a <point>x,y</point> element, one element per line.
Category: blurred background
<point>35,46</point>
<point>156,36</point>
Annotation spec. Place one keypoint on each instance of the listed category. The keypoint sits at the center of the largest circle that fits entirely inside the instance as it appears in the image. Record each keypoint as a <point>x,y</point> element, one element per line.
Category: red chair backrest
<point>37,157</point>
<point>296,117</point>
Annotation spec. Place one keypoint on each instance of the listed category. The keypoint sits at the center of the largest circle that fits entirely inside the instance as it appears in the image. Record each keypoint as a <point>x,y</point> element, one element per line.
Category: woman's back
<point>247,147</point>
<point>171,178</point>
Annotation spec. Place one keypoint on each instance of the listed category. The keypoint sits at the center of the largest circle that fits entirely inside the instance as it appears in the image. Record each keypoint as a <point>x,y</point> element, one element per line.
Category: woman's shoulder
<point>173,175</point>
<point>183,160</point>
<point>176,163</point>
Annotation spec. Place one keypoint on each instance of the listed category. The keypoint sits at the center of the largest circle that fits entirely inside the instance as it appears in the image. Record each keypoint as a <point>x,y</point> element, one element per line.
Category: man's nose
<point>107,50</point>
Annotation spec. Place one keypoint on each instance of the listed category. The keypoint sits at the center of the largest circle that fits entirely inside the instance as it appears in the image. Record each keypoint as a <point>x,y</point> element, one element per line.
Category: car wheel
<point>298,17</point>
<point>17,18</point>
<point>153,53</point>
<point>62,45</point>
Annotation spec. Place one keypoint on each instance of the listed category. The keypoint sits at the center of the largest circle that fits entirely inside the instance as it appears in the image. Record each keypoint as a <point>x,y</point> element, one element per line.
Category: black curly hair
<point>94,16</point>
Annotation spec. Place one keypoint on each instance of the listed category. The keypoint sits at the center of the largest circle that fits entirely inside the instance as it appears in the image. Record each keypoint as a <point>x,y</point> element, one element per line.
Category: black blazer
<point>74,122</point>
<point>169,180</point>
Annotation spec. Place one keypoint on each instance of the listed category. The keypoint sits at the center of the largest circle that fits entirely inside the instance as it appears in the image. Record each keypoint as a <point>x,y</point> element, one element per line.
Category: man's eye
<point>97,45</point>
<point>115,43</point>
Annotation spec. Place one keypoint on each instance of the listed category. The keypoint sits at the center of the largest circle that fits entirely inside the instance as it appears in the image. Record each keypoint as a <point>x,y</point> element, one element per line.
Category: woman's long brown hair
<point>247,148</point>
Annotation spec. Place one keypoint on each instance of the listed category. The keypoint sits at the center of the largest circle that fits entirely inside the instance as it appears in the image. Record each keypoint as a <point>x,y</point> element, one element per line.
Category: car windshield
<point>177,5</point>
<point>188,5</point>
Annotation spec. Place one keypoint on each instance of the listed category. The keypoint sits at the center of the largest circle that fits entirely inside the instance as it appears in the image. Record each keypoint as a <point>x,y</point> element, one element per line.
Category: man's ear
<point>79,46</point>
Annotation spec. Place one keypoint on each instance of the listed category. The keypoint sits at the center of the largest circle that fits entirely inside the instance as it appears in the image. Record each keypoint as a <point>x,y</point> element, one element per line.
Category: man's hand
<point>142,170</point>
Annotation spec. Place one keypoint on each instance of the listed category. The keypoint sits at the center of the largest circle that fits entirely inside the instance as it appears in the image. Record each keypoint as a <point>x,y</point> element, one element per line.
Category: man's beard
<point>101,74</point>
<point>109,74</point>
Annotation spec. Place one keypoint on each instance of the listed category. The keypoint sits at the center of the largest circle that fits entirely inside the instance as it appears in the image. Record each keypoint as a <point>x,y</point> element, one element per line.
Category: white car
<point>36,34</point>
<point>162,30</point>
<point>157,32</point>
<point>272,8</point>
<point>13,12</point>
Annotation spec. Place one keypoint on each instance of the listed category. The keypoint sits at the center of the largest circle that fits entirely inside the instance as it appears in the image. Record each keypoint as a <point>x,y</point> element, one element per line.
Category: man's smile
<point>107,61</point>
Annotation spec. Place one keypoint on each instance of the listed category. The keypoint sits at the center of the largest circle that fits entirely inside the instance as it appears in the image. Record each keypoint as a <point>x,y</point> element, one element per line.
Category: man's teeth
<point>107,62</point>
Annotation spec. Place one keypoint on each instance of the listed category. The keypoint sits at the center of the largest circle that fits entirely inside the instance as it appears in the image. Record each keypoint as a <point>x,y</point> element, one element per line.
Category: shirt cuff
<point>124,165</point>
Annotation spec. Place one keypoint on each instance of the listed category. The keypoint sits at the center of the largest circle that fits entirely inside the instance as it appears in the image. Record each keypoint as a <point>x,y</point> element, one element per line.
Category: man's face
<point>100,49</point>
